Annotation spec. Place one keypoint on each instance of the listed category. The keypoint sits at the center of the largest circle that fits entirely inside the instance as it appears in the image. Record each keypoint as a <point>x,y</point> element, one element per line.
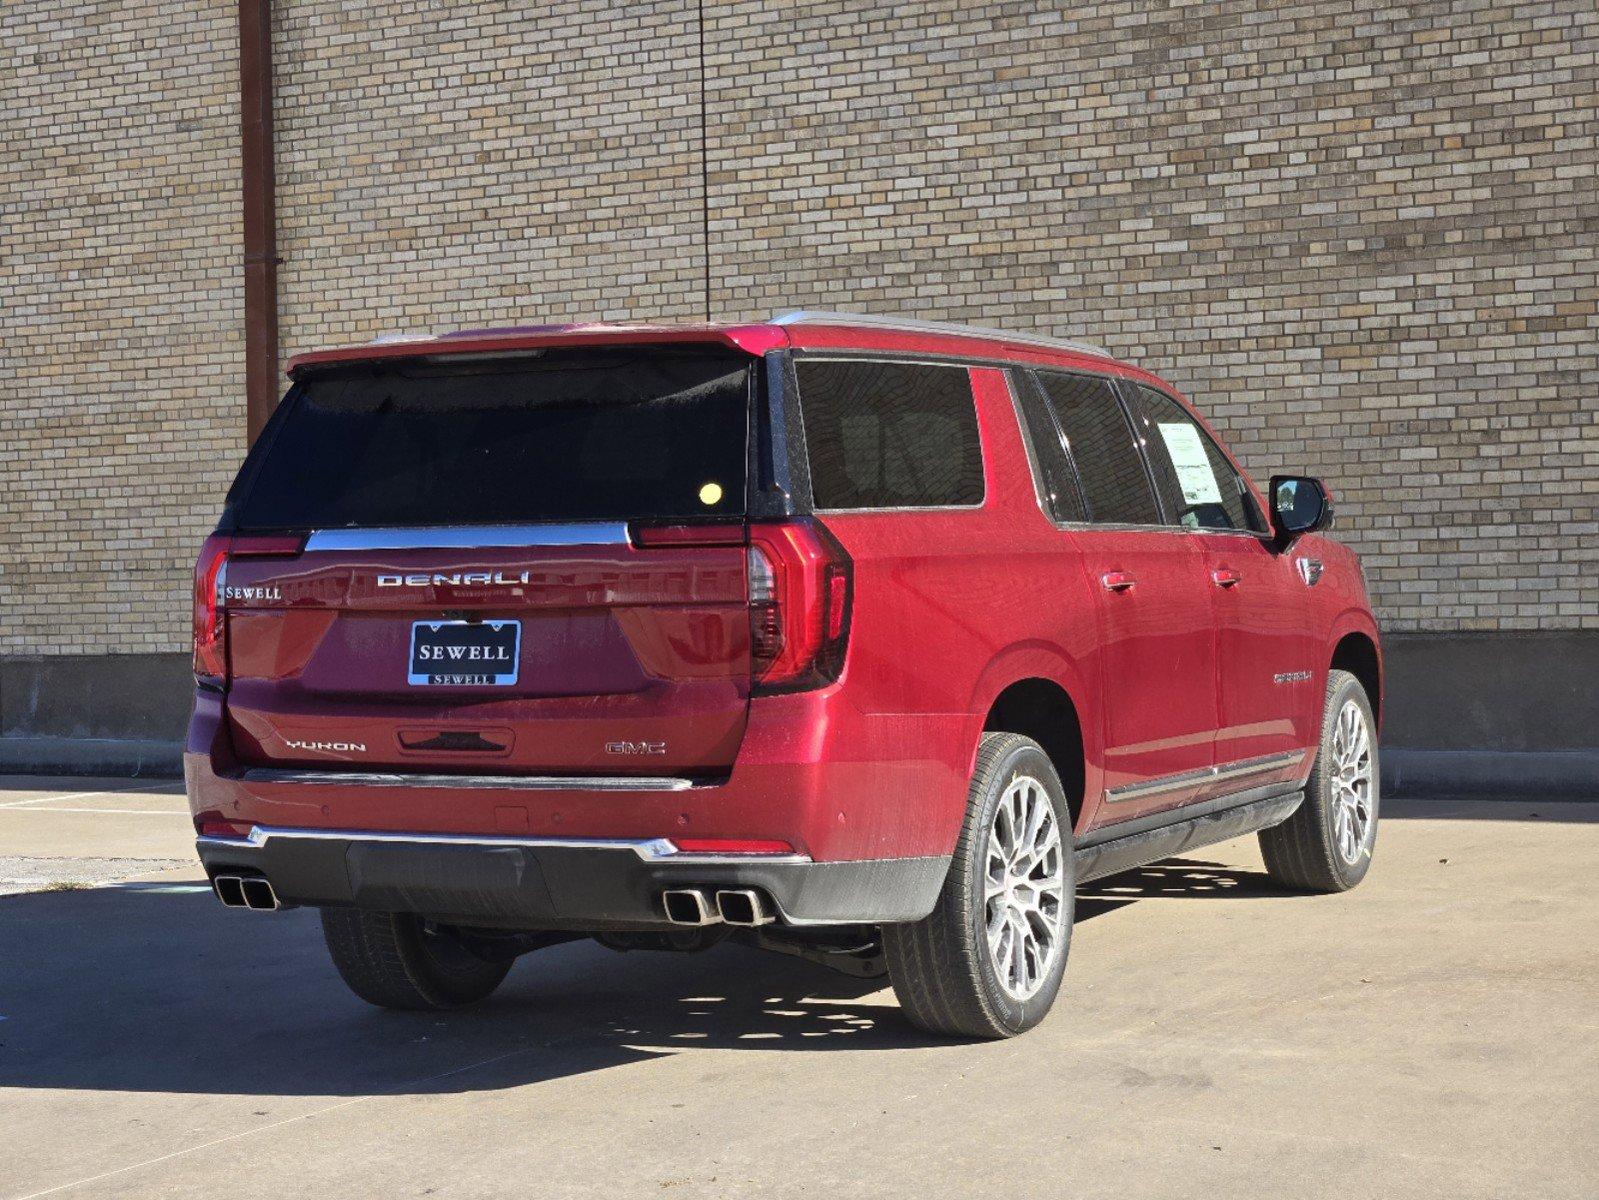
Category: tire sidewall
<point>1024,760</point>
<point>1349,874</point>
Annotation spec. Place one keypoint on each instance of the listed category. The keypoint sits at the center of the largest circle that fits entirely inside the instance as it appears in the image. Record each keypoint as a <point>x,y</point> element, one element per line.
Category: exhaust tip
<point>743,906</point>
<point>258,894</point>
<point>230,890</point>
<point>687,906</point>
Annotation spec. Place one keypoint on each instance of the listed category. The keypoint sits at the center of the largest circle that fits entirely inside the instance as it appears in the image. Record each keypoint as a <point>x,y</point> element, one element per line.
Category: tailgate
<point>560,659</point>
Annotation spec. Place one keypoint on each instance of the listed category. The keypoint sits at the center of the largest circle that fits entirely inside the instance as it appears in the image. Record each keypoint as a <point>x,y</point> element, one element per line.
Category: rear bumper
<point>549,883</point>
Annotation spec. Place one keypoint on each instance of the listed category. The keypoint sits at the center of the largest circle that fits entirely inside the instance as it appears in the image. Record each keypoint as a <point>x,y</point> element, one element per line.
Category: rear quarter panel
<point>951,606</point>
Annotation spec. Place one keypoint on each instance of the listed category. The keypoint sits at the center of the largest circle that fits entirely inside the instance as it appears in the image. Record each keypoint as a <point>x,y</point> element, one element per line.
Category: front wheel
<point>398,960</point>
<point>1326,846</point>
<point>987,961</point>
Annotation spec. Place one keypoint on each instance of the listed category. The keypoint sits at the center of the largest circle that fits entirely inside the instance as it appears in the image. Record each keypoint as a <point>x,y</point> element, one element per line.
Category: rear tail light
<point>800,582</point>
<point>210,593</point>
<point>210,635</point>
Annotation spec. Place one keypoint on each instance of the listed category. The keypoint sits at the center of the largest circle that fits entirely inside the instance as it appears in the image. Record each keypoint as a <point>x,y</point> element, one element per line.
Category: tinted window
<point>1057,480</point>
<point>1198,486</point>
<point>1115,484</point>
<point>890,435</point>
<point>569,435</point>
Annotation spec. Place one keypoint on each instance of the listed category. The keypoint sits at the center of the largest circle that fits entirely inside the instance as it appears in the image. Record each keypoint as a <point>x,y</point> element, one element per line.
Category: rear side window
<point>596,434</point>
<point>1063,500</point>
<point>1115,484</point>
<point>1198,486</point>
<point>890,435</point>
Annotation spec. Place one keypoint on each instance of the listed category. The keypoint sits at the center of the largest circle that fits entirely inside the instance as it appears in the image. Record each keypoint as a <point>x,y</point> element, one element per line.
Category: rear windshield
<point>590,434</point>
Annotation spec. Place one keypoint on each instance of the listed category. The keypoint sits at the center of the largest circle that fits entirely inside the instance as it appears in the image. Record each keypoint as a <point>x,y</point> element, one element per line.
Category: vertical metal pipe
<point>260,214</point>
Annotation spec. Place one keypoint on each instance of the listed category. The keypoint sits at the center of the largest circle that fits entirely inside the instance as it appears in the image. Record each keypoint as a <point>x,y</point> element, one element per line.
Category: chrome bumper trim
<point>515,783</point>
<point>651,850</point>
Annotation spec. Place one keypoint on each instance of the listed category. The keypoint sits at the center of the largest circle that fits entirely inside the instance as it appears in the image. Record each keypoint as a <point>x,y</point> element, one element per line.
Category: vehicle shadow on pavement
<point>1187,878</point>
<point>157,988</point>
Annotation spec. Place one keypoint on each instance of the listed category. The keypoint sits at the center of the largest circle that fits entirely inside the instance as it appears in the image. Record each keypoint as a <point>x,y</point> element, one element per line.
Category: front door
<point>1266,669</point>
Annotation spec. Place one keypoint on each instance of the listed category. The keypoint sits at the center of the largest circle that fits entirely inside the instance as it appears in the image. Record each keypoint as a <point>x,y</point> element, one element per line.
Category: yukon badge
<point>326,747</point>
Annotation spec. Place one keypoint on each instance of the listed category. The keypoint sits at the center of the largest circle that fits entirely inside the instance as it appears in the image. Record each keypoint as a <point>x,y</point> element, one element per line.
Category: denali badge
<point>326,747</point>
<point>458,579</point>
<point>635,747</point>
<point>1291,677</point>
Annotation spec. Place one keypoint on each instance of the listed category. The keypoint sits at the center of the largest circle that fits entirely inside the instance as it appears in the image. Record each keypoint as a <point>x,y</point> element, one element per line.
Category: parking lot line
<point>32,800</point>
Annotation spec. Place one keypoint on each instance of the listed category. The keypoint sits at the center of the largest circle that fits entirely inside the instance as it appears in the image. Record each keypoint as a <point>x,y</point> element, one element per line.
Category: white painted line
<point>409,1084</point>
<point>154,787</point>
<point>122,812</point>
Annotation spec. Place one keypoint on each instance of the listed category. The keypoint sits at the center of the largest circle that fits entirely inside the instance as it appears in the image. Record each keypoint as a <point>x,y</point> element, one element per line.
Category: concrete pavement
<point>1431,1034</point>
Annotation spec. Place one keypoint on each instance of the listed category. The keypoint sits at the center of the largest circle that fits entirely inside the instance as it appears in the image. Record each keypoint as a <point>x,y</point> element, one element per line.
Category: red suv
<point>857,638</point>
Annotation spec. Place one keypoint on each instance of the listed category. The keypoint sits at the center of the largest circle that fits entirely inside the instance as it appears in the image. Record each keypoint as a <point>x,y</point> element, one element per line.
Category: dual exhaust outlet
<point>246,891</point>
<point>731,906</point>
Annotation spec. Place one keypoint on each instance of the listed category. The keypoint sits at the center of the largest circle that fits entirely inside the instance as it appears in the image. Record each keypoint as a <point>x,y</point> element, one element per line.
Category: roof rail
<point>910,325</point>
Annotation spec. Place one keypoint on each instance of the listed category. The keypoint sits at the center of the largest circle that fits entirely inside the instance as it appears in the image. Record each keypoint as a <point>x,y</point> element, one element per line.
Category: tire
<point>396,960</point>
<point>1314,851</point>
<point>950,978</point>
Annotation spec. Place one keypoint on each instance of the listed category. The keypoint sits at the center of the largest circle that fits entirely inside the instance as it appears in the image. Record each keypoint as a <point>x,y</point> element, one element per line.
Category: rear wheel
<point>987,961</point>
<point>398,960</point>
<point>1326,846</point>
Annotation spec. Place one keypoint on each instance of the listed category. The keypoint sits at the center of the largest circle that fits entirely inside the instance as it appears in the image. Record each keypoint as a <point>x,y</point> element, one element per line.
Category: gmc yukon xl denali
<point>862,639</point>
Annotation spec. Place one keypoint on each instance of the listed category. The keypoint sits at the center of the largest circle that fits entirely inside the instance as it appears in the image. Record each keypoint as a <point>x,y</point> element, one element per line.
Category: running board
<point>1121,850</point>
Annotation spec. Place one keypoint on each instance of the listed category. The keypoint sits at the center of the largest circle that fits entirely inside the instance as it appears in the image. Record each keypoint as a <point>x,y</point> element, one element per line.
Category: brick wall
<point>121,377</point>
<point>1362,237</point>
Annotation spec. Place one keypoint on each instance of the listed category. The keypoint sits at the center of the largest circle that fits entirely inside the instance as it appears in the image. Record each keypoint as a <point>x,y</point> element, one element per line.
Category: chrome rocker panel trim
<point>1224,771</point>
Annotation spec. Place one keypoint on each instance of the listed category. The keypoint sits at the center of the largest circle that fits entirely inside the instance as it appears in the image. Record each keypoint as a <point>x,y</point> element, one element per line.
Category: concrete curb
<point>1555,774</point>
<point>131,757</point>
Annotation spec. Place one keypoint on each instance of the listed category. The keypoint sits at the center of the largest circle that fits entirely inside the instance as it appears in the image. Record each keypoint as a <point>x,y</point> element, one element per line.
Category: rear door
<point>1157,640</point>
<point>494,576</point>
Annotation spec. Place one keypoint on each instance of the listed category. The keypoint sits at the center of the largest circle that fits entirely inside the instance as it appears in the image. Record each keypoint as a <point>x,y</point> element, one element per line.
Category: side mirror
<point>1299,505</point>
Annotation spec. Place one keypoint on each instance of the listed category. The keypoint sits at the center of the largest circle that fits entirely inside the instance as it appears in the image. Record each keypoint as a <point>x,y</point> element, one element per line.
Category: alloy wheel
<point>1025,887</point>
<point>1352,806</point>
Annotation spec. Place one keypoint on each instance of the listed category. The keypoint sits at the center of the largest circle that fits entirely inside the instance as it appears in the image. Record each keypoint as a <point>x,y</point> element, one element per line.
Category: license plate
<point>464,653</point>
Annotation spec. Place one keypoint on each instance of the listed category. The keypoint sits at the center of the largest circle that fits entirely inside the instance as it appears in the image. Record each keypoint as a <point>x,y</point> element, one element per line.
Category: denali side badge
<point>635,747</point>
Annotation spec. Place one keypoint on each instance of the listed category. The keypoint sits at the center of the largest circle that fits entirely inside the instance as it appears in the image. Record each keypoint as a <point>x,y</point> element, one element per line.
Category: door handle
<point>1117,581</point>
<point>1225,578</point>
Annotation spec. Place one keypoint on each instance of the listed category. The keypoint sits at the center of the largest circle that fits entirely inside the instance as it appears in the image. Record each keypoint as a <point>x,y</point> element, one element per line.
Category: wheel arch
<point>1034,690</point>
<point>1356,651</point>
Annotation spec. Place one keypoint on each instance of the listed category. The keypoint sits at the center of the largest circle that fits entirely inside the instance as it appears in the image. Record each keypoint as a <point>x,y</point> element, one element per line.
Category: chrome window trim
<point>530,783</point>
<point>470,537</point>
<point>651,850</point>
<point>1213,774</point>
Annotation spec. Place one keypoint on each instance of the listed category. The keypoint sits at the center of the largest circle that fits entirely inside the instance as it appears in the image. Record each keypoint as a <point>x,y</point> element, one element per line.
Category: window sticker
<point>1194,473</point>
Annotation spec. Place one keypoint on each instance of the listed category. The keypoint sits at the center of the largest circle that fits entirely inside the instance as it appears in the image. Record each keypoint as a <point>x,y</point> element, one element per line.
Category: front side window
<point>1198,486</point>
<point>890,435</point>
<point>1115,485</point>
